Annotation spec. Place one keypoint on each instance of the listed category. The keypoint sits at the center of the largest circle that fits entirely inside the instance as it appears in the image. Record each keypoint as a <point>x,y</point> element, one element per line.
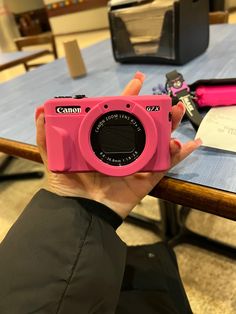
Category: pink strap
<point>213,96</point>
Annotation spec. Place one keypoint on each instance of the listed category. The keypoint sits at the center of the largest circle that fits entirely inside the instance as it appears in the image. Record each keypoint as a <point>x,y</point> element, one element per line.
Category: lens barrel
<point>118,138</point>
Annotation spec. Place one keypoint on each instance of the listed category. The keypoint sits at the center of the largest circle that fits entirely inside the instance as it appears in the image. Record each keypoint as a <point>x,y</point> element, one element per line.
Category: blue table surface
<point>20,97</point>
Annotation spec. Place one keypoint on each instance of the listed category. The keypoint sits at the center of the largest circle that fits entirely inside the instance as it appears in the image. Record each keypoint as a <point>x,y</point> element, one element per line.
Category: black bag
<point>157,31</point>
<point>152,284</point>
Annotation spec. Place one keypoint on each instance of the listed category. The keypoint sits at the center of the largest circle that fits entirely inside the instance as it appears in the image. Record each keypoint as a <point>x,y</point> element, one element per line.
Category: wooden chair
<point>37,40</point>
<point>218,17</point>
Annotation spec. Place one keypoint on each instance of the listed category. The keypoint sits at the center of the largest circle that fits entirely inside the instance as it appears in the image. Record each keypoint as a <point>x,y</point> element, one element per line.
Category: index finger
<point>134,86</point>
<point>178,112</point>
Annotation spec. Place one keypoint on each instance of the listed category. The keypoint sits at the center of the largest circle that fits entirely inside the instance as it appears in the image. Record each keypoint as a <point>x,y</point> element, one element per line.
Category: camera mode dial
<point>62,97</point>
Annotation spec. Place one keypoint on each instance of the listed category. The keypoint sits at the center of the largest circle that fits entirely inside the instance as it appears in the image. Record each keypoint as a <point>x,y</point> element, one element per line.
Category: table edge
<point>25,59</point>
<point>207,199</point>
<point>210,200</point>
<point>20,149</point>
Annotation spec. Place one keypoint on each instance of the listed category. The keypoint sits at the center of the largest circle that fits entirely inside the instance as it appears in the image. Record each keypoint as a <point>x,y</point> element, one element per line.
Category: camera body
<point>116,135</point>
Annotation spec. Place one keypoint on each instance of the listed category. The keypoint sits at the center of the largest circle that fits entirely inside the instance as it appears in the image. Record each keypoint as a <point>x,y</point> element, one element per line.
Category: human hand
<point>121,194</point>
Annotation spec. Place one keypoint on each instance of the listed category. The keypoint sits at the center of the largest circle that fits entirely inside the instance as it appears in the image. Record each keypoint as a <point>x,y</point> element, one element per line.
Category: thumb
<point>41,136</point>
<point>179,151</point>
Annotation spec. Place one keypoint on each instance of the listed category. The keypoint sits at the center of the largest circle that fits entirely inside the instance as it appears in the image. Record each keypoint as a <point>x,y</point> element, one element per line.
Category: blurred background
<point>84,20</point>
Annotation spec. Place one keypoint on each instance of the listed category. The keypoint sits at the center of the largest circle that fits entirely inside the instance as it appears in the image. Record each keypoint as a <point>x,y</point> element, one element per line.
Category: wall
<point>79,21</point>
<point>19,6</point>
<point>230,4</point>
<point>8,28</point>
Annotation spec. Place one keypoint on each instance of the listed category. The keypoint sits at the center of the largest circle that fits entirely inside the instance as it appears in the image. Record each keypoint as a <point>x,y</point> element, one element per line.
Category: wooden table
<point>206,180</point>
<point>11,59</point>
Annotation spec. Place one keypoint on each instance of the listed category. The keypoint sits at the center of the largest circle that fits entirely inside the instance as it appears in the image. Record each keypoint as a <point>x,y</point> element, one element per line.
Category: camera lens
<point>118,138</point>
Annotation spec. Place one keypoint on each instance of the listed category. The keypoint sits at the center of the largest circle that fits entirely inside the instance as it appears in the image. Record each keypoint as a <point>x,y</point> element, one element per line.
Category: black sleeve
<point>62,256</point>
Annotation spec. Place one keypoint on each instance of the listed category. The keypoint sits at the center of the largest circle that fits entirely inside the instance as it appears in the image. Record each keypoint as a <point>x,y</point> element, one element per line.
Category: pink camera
<point>116,136</point>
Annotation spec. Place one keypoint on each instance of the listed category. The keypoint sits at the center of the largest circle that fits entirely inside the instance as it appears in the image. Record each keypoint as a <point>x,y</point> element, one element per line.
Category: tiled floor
<point>209,279</point>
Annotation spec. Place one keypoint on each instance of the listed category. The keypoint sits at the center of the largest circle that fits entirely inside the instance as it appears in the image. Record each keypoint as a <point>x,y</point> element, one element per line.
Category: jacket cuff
<point>98,209</point>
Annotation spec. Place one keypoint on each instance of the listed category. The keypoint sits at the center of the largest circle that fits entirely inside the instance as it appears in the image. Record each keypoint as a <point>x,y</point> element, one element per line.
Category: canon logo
<point>68,110</point>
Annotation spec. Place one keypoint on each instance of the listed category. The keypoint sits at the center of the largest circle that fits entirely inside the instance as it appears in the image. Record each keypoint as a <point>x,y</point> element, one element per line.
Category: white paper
<point>218,128</point>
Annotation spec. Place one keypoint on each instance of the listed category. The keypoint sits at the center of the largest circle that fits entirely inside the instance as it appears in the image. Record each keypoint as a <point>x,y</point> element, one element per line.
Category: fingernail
<point>198,141</point>
<point>178,143</point>
<point>140,76</point>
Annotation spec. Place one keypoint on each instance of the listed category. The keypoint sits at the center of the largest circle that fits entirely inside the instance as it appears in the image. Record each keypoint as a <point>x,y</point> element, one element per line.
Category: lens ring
<point>88,158</point>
